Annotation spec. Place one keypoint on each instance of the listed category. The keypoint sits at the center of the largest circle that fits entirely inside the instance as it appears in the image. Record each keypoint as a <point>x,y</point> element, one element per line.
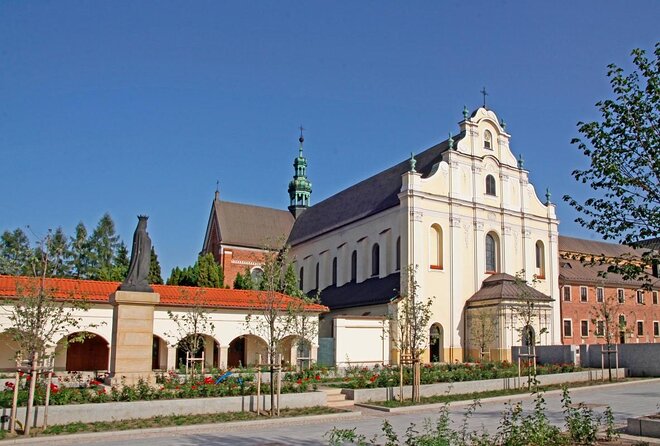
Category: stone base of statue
<point>132,337</point>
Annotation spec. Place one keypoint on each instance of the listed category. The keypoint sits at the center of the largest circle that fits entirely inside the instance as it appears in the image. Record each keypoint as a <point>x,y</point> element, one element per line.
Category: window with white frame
<point>490,185</point>
<point>568,328</point>
<point>621,295</point>
<point>600,294</point>
<point>492,253</point>
<point>584,294</point>
<point>436,247</point>
<point>640,296</point>
<point>540,260</point>
<point>600,328</point>
<point>567,293</point>
<point>584,328</point>
<point>488,140</point>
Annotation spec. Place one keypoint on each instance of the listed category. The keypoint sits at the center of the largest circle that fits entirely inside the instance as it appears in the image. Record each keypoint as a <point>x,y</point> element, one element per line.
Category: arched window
<point>317,276</point>
<point>301,277</point>
<point>490,185</point>
<point>488,140</point>
<point>492,253</point>
<point>398,253</point>
<point>334,271</point>
<point>540,260</point>
<point>257,274</point>
<point>375,260</point>
<point>436,247</point>
<point>354,266</point>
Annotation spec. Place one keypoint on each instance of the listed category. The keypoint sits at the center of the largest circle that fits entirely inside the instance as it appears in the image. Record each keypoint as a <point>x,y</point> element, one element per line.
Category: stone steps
<point>337,399</point>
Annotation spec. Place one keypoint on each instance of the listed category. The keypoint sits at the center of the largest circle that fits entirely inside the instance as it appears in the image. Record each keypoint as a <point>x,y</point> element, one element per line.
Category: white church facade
<point>462,212</point>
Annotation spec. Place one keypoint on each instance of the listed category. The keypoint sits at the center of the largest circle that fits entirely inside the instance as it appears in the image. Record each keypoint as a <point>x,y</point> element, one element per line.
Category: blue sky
<point>140,107</point>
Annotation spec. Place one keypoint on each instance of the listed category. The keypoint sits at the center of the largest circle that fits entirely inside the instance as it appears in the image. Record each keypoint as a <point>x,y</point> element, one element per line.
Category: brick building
<point>583,289</point>
<point>237,233</point>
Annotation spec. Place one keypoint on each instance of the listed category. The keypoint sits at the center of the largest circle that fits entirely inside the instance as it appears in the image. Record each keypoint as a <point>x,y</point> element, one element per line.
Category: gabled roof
<point>94,291</point>
<point>368,197</point>
<point>574,271</point>
<point>374,291</point>
<point>503,286</point>
<point>250,226</point>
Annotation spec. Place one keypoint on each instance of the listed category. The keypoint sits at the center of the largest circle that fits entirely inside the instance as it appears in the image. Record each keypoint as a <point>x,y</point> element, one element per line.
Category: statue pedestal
<point>132,337</point>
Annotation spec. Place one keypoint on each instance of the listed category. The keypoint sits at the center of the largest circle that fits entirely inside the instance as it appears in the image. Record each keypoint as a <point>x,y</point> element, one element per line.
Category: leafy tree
<point>154,269</point>
<point>483,329</point>
<point>606,323</point>
<point>624,152</point>
<point>244,281</point>
<point>80,262</point>
<point>59,253</point>
<point>412,318</point>
<point>103,244</point>
<point>204,273</point>
<point>15,253</point>
<point>120,264</point>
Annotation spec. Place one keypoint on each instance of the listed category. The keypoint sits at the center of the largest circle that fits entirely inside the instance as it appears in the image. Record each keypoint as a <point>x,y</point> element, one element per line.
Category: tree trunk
<point>30,402</point>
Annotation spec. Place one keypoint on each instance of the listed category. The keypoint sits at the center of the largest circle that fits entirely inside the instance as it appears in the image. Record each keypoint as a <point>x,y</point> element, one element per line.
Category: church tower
<point>300,188</point>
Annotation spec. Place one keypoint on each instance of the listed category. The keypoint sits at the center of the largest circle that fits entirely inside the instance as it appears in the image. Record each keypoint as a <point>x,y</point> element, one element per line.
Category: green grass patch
<point>448,398</point>
<point>166,421</point>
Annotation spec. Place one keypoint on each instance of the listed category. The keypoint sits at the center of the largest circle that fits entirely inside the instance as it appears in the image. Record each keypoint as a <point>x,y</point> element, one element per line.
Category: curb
<point>493,399</point>
<point>173,430</point>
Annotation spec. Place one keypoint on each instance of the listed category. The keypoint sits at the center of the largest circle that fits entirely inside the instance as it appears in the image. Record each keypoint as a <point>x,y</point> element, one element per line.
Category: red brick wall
<point>232,262</point>
<point>577,311</point>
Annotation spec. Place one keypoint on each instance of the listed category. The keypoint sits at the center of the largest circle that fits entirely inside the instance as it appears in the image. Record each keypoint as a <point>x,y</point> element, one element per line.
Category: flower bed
<point>170,386</point>
<point>388,376</point>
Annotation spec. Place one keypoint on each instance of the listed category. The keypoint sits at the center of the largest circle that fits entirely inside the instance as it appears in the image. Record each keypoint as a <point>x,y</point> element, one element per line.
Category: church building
<point>463,214</point>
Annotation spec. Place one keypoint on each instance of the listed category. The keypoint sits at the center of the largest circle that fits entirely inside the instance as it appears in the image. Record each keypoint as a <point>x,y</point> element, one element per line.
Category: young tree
<point>624,152</point>
<point>37,319</point>
<point>272,320</point>
<point>483,329</point>
<point>412,319</point>
<point>15,253</point>
<point>154,269</point>
<point>606,323</point>
<point>192,323</point>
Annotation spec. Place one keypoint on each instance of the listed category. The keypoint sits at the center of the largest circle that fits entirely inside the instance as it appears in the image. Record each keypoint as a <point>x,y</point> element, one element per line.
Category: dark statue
<point>138,270</point>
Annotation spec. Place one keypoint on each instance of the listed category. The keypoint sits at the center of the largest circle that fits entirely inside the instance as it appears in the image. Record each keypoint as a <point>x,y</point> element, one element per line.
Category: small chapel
<point>462,213</point>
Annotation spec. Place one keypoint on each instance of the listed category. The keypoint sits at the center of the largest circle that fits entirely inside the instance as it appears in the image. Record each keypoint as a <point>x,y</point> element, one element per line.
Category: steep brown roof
<point>593,247</point>
<point>368,197</point>
<point>251,226</point>
<point>504,287</point>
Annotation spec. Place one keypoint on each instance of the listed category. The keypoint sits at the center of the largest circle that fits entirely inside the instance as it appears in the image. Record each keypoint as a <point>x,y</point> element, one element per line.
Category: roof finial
<point>485,93</point>
<point>547,196</point>
<point>451,142</point>
<point>301,139</point>
<point>502,124</point>
<point>413,162</point>
<point>466,112</point>
<point>217,189</point>
<point>521,161</point>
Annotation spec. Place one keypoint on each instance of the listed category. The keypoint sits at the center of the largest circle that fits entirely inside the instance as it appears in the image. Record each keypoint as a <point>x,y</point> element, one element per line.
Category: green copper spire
<point>300,188</point>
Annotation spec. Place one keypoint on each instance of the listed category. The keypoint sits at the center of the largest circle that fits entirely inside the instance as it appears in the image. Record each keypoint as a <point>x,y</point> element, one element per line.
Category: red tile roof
<point>98,291</point>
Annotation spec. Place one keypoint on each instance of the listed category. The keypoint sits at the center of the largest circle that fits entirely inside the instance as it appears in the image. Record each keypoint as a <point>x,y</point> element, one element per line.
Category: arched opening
<point>436,343</point>
<point>436,247</point>
<point>354,266</point>
<point>528,338</point>
<point>90,354</point>
<point>8,351</point>
<point>492,253</point>
<point>257,274</point>
<point>540,260</point>
<point>244,351</point>
<point>205,344</point>
<point>158,353</point>
<point>375,260</point>
<point>490,185</point>
<point>296,351</point>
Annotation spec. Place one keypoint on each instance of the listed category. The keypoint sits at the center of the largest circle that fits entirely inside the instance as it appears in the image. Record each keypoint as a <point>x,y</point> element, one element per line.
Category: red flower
<point>54,388</point>
<point>299,381</point>
<point>21,373</point>
<point>208,380</point>
<point>9,385</point>
<point>317,377</point>
<point>95,383</point>
<point>193,387</point>
<point>28,378</point>
<point>101,391</point>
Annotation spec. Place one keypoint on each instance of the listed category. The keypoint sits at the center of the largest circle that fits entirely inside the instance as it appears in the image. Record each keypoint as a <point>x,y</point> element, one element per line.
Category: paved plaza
<point>627,400</point>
